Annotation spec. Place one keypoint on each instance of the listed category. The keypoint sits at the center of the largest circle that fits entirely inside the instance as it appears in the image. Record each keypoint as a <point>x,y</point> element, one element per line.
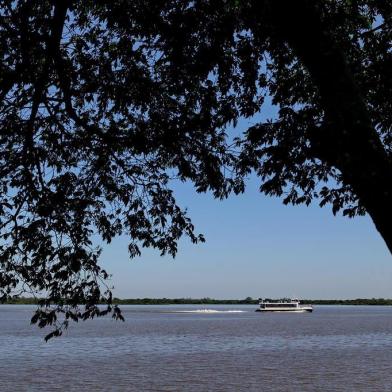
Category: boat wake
<point>208,311</point>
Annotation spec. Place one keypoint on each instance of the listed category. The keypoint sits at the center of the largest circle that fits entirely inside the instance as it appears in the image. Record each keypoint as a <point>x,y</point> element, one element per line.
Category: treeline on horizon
<point>212,301</point>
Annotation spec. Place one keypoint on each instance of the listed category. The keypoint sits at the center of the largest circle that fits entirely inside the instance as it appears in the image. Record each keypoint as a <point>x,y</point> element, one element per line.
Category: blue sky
<point>258,247</point>
<point>255,247</point>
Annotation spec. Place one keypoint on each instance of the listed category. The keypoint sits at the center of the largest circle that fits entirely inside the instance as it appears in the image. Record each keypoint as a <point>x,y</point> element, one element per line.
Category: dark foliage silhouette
<point>103,103</point>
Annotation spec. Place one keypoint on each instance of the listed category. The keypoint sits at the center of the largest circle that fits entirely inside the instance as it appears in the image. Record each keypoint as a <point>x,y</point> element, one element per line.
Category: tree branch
<point>56,31</point>
<point>349,142</point>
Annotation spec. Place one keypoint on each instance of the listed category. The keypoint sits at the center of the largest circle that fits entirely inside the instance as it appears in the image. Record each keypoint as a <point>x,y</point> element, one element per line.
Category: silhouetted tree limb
<point>347,139</point>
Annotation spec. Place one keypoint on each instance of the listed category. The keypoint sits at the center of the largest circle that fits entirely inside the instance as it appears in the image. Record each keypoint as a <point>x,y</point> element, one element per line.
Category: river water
<point>180,348</point>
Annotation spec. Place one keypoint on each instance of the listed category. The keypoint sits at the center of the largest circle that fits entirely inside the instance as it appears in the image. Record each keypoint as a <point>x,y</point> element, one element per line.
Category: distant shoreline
<point>211,301</point>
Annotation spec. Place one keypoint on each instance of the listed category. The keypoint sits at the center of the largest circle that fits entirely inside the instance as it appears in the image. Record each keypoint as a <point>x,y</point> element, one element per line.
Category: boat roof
<point>279,301</point>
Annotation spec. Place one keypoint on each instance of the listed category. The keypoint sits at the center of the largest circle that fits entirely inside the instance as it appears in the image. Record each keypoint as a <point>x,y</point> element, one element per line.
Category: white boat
<point>284,305</point>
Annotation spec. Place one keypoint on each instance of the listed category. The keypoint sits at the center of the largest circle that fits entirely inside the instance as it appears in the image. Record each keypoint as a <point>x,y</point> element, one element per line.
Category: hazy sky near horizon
<point>256,246</point>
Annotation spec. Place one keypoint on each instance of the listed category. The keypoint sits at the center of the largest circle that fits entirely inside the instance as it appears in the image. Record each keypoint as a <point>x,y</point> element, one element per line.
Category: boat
<point>283,305</point>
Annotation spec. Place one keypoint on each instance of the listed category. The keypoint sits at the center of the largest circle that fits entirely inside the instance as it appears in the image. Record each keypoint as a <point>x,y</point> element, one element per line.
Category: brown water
<point>161,348</point>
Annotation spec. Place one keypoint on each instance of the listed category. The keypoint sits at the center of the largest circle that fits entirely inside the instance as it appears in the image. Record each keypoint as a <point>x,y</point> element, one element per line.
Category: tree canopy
<point>103,103</point>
